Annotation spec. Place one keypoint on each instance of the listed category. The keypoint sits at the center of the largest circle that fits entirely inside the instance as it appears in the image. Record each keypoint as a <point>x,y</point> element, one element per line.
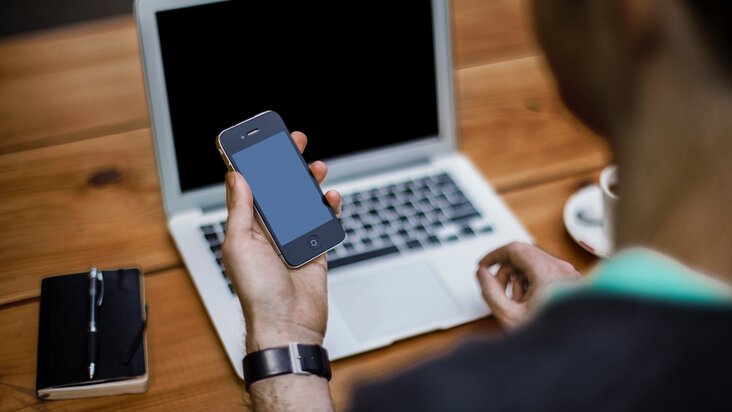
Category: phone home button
<point>314,242</point>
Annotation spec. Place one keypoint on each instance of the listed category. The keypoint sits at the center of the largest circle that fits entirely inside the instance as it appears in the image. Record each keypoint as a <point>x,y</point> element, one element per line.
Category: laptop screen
<point>352,76</point>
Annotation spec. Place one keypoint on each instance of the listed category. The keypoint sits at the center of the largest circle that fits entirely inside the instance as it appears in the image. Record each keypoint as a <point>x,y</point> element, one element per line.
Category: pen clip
<point>97,276</point>
<point>100,279</point>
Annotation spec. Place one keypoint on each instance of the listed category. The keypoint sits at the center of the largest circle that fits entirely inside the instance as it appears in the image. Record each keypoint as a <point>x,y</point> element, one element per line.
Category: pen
<point>95,276</point>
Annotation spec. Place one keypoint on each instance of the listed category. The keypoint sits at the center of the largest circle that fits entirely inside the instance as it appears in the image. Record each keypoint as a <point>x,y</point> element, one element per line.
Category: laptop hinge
<point>377,170</point>
<point>212,208</point>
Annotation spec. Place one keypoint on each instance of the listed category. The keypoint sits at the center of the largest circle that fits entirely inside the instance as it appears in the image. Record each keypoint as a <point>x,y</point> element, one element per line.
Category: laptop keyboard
<point>393,219</point>
<point>214,234</point>
<point>406,216</point>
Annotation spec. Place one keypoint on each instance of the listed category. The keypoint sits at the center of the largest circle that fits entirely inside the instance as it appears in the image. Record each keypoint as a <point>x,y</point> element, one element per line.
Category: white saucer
<point>583,220</point>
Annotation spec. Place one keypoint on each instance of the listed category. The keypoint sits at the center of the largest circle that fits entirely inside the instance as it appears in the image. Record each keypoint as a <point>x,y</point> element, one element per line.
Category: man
<point>644,332</point>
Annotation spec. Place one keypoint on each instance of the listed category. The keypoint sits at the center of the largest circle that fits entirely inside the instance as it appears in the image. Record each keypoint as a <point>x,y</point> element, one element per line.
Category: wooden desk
<point>78,185</point>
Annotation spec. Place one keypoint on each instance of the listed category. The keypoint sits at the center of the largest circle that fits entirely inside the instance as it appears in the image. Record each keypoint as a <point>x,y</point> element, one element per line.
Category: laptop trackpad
<point>400,299</point>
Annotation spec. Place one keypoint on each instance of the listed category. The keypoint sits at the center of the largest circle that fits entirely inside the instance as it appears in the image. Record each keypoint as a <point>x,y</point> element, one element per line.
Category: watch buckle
<point>296,360</point>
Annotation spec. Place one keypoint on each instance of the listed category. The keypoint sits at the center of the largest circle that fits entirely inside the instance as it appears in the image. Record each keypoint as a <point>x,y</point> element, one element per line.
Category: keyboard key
<point>460,203</point>
<point>442,178</point>
<point>208,229</point>
<point>414,244</point>
<point>433,239</point>
<point>458,196</point>
<point>467,230</point>
<point>372,254</point>
<point>463,214</point>
<point>486,229</point>
<point>212,238</point>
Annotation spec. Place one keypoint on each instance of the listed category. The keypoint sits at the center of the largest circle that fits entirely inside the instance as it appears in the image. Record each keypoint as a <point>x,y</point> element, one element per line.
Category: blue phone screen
<point>287,196</point>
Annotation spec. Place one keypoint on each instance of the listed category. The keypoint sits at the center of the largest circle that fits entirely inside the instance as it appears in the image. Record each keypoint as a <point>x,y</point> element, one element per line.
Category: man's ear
<point>640,23</point>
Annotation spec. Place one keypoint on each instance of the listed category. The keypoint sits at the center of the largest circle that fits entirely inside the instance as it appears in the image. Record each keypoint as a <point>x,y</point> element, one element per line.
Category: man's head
<point>601,51</point>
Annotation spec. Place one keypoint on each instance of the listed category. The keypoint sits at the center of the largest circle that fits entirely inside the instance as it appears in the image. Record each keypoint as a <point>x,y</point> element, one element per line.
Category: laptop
<point>372,87</point>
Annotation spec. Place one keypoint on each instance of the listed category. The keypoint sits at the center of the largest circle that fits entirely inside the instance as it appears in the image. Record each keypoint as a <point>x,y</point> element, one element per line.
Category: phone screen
<point>287,197</point>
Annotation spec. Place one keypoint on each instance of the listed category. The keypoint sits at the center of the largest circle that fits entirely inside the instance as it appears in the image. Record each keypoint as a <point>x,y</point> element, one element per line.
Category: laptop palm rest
<point>402,299</point>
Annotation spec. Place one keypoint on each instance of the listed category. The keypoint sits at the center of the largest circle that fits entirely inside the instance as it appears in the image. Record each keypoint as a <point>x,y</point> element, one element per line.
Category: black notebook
<point>63,333</point>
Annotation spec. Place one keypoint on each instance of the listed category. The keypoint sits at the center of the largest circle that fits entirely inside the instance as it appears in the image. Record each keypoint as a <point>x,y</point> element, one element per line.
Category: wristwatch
<point>294,358</point>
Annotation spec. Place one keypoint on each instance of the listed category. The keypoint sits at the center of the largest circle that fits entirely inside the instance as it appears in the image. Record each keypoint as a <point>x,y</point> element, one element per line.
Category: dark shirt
<point>591,351</point>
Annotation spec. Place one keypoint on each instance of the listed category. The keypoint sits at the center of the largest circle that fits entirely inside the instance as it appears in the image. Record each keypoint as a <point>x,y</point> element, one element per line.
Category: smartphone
<point>288,201</point>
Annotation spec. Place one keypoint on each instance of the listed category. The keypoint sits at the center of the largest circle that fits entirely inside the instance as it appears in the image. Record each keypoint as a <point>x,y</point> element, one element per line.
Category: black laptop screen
<point>353,76</point>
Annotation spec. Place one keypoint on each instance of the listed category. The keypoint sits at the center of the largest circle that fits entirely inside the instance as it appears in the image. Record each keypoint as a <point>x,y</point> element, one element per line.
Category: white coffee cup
<point>609,184</point>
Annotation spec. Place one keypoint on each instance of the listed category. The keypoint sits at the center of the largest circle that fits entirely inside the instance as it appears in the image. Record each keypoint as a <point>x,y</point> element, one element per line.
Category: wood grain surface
<point>490,31</point>
<point>516,130</point>
<point>71,84</point>
<point>68,207</point>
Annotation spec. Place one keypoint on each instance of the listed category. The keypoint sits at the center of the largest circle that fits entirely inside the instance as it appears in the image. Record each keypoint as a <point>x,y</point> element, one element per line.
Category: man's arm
<point>287,392</point>
<point>280,305</point>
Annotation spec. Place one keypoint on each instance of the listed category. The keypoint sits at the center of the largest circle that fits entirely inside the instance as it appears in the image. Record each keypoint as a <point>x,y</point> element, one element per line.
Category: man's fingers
<point>497,256</point>
<point>300,140</point>
<point>493,291</point>
<point>518,255</point>
<point>240,204</point>
<point>334,200</point>
<point>518,289</point>
<point>504,275</point>
<point>319,170</point>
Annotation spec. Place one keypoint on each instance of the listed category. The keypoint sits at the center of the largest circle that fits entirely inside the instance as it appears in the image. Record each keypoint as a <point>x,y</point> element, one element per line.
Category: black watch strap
<point>295,358</point>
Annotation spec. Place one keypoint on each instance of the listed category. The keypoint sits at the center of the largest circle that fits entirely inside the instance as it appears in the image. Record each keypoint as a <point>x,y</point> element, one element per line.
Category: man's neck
<point>676,174</point>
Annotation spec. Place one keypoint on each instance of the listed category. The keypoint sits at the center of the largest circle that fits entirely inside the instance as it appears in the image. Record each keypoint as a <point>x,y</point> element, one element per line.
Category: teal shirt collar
<point>646,273</point>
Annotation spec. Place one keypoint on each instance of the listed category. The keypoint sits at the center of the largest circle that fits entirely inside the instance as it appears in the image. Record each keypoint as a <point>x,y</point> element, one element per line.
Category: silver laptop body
<point>420,217</point>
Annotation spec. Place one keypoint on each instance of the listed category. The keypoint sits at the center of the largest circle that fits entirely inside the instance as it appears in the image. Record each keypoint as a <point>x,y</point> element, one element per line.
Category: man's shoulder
<point>584,351</point>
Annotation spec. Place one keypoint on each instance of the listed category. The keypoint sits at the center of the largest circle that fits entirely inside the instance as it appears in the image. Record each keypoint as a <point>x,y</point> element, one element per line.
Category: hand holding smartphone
<point>289,203</point>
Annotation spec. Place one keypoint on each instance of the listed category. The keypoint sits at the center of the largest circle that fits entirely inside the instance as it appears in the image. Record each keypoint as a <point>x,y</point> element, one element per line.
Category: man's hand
<point>528,269</point>
<point>280,305</point>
